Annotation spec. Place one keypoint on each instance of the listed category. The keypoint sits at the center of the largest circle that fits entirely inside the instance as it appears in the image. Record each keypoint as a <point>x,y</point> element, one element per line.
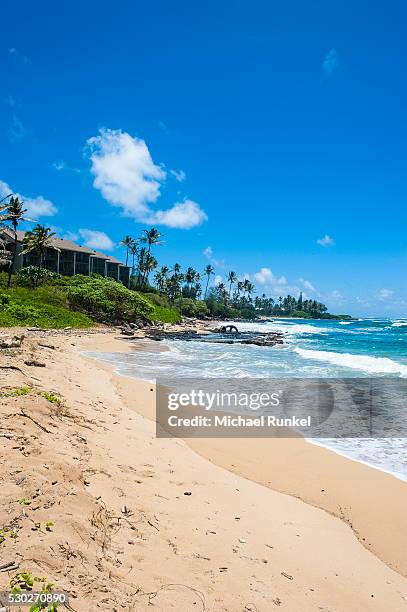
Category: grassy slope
<point>42,307</point>
<point>47,306</point>
<point>166,314</point>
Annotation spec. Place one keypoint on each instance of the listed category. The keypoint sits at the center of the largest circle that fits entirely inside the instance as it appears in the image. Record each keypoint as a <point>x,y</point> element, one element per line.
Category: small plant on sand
<point>51,397</point>
<point>24,501</point>
<point>16,392</point>
<point>24,582</point>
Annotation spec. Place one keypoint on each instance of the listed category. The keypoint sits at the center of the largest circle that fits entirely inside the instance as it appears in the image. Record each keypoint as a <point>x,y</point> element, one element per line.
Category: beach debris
<point>126,511</point>
<point>35,363</point>
<point>45,345</point>
<point>242,541</point>
<point>6,434</point>
<point>287,576</point>
<point>15,341</point>
<point>152,525</point>
<point>187,493</point>
<point>9,566</point>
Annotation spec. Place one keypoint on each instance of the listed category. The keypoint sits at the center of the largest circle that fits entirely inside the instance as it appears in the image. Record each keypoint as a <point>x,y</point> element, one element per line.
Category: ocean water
<point>312,349</point>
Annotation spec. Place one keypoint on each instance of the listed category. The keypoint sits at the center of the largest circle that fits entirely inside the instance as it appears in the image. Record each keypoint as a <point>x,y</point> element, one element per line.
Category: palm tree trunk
<point>206,288</point>
<point>13,259</point>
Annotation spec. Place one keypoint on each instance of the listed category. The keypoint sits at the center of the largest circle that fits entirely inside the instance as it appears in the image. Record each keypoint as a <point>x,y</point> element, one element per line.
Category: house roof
<point>66,245</point>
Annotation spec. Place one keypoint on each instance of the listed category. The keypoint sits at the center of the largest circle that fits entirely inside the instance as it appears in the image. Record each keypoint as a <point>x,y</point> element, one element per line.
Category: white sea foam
<point>399,324</point>
<point>374,365</point>
<point>345,322</point>
<point>284,326</point>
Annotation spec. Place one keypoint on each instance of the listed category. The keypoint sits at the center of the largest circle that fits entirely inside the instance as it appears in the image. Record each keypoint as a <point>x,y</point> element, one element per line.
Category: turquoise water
<point>312,349</point>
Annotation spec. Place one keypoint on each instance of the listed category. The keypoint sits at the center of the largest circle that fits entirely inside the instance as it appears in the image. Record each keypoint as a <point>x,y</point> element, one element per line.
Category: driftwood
<point>7,342</point>
<point>34,362</point>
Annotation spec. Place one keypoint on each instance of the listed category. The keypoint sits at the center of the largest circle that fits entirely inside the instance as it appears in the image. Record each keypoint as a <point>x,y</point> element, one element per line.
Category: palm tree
<point>248,287</point>
<point>141,260</point>
<point>151,237</point>
<point>240,287</point>
<point>127,242</point>
<point>232,278</point>
<point>150,264</point>
<point>16,214</point>
<point>190,275</point>
<point>173,286</point>
<point>38,240</point>
<point>209,270</point>
<point>197,290</point>
<point>3,207</point>
<point>133,251</point>
<point>161,278</point>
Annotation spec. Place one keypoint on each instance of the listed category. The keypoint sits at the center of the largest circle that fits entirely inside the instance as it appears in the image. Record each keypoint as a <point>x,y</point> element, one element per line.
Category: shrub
<point>105,298</point>
<point>156,298</point>
<point>301,314</point>
<point>166,314</point>
<point>32,276</point>
<point>14,312</point>
<point>191,308</point>
<point>21,312</point>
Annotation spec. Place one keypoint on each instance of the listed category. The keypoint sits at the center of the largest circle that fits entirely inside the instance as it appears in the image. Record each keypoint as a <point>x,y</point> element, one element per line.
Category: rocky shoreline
<point>217,336</point>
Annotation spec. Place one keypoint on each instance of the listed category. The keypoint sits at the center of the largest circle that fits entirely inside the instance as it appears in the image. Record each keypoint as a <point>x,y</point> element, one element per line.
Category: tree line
<point>189,290</point>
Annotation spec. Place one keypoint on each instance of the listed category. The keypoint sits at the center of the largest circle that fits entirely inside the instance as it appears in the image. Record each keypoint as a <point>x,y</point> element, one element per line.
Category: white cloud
<point>182,215</point>
<point>208,252</point>
<point>218,279</point>
<point>179,175</point>
<point>96,240</point>
<point>266,277</point>
<point>36,207</point>
<point>385,294</point>
<point>307,285</point>
<point>331,62</point>
<point>70,236</point>
<point>128,178</point>
<point>326,241</point>
<point>124,171</point>
<point>61,165</point>
<point>336,295</point>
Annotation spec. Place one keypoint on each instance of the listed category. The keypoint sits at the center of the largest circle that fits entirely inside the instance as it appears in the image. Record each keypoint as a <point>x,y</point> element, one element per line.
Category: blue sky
<point>272,132</point>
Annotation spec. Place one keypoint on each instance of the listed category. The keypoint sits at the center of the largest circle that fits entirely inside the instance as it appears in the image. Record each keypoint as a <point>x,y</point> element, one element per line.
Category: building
<point>67,258</point>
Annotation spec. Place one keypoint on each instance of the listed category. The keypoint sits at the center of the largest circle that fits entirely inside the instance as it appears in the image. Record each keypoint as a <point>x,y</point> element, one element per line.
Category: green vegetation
<point>18,392</point>
<point>106,299</point>
<point>45,306</point>
<point>26,582</point>
<point>51,301</point>
<point>76,301</point>
<point>166,314</point>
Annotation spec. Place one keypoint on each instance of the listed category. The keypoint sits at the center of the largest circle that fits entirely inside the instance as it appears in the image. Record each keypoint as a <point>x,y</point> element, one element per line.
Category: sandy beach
<point>220,525</point>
